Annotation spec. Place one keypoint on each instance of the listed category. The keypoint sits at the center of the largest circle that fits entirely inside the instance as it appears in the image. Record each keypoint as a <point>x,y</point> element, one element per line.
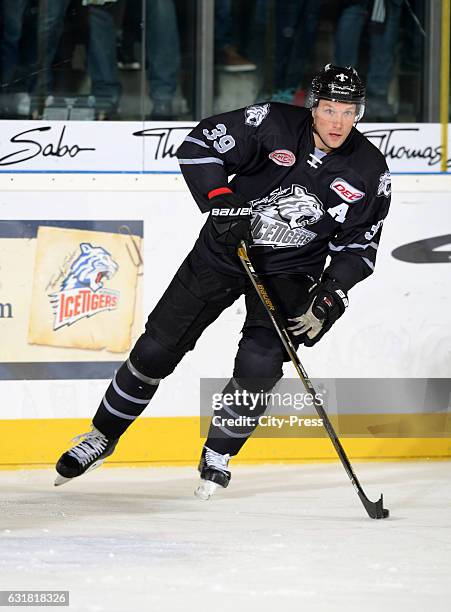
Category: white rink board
<point>149,147</point>
<point>398,323</point>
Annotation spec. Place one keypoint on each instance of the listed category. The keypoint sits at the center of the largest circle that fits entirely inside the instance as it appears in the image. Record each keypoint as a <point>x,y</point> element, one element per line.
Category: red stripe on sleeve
<point>215,192</point>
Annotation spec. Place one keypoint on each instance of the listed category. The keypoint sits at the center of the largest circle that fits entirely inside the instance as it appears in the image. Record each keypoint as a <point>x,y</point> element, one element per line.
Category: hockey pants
<point>196,296</point>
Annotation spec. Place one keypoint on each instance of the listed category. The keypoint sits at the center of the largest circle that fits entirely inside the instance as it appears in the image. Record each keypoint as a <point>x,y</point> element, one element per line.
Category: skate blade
<point>60,480</point>
<point>205,490</point>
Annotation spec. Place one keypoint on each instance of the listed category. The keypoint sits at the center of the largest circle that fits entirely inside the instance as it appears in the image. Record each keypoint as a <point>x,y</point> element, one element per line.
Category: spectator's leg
<point>12,12</point>
<point>348,33</point>
<point>287,15</point>
<point>102,58</point>
<point>223,24</point>
<point>304,42</point>
<point>130,34</point>
<point>382,50</point>
<point>382,60</point>
<point>226,53</point>
<point>163,55</point>
<point>50,28</point>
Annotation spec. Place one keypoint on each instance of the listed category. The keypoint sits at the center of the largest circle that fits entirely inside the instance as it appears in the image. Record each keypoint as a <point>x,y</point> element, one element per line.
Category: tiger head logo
<point>298,208</point>
<point>255,114</point>
<point>384,188</point>
<point>90,268</point>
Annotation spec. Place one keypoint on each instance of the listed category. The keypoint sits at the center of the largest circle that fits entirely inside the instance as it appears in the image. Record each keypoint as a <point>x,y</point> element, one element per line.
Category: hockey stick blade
<point>376,509</point>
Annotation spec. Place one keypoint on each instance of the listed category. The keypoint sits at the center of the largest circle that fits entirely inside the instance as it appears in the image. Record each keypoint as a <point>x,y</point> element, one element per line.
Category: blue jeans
<point>102,61</point>
<point>348,33</point>
<point>102,57</point>
<point>382,51</point>
<point>162,48</point>
<point>296,22</point>
<point>50,29</point>
<point>12,13</point>
<point>383,41</point>
<point>223,24</point>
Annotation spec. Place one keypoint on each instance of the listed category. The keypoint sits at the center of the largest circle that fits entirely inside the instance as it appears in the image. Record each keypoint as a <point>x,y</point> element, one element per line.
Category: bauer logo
<point>231,212</point>
<point>82,291</point>
<point>282,157</point>
<point>346,191</point>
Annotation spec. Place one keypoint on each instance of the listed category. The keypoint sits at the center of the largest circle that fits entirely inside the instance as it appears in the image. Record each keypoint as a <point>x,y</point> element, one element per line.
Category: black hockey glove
<point>328,304</point>
<point>229,220</point>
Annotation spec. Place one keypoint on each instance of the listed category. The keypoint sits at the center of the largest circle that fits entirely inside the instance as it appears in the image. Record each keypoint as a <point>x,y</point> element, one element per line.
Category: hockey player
<point>307,185</point>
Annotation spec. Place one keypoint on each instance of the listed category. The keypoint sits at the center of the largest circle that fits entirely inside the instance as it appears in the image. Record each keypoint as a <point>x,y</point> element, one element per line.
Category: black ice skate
<point>213,473</point>
<point>87,455</point>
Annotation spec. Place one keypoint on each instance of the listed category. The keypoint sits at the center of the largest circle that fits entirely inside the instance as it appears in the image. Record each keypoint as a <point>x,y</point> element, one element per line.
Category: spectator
<point>15,99</point>
<point>102,60</point>
<point>163,56</point>
<point>227,55</point>
<point>384,26</point>
<point>102,54</point>
<point>296,24</point>
<point>129,36</point>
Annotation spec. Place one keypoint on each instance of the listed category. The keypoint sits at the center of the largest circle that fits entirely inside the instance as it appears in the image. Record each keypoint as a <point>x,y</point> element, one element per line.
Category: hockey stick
<point>376,509</point>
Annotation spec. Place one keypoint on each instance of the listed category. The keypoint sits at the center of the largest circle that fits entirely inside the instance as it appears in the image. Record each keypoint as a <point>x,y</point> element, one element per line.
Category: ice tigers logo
<point>82,293</point>
<point>90,268</point>
<point>298,208</point>
<point>281,218</point>
<point>255,114</point>
<point>384,188</point>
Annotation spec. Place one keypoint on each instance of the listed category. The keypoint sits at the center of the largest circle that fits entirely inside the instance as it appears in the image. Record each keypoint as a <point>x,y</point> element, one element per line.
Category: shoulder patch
<point>255,114</point>
<point>346,191</point>
<point>384,188</point>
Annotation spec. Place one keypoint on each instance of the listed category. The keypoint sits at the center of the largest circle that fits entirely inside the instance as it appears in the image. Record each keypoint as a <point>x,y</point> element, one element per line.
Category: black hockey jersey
<point>306,205</point>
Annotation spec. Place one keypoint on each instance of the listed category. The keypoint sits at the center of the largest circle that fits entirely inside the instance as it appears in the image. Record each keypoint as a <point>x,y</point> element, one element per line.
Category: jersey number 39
<point>223,142</point>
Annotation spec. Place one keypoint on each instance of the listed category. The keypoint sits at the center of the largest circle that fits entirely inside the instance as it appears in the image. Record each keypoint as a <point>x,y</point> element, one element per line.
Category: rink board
<point>49,392</point>
<point>150,147</point>
<point>176,440</point>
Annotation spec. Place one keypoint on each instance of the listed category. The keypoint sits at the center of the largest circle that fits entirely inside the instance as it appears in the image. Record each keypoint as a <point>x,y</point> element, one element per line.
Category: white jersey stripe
<point>332,247</point>
<point>369,263</point>
<point>201,143</point>
<point>202,160</point>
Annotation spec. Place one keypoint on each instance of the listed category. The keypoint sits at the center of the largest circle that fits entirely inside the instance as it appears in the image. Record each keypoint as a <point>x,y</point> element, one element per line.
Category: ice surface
<point>281,537</point>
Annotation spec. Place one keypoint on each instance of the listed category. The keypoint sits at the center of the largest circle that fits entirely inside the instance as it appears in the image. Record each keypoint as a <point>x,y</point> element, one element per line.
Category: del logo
<point>282,157</point>
<point>82,293</point>
<point>346,191</point>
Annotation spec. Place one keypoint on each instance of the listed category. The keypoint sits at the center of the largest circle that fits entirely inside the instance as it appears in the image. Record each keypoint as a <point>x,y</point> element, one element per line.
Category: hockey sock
<point>234,422</point>
<point>126,398</point>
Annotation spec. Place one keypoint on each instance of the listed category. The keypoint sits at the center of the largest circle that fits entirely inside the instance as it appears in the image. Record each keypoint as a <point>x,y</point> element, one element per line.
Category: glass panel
<point>131,59</point>
<point>96,59</point>
<point>269,49</point>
